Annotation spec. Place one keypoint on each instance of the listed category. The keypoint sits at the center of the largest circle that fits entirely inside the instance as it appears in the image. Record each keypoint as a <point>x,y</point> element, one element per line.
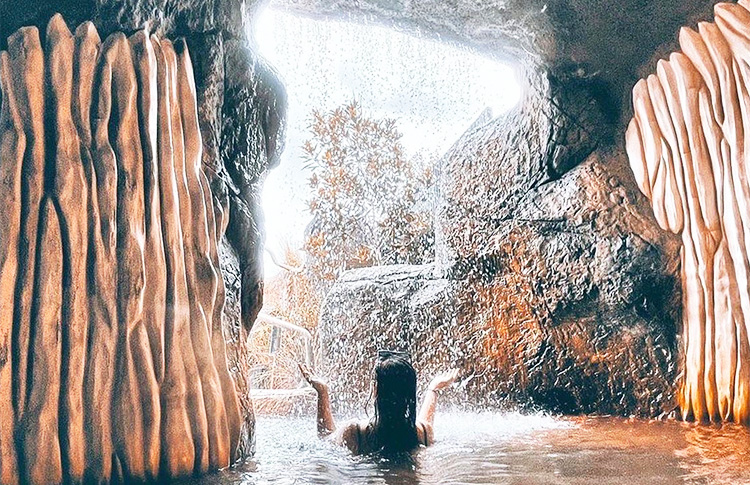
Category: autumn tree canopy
<point>370,202</point>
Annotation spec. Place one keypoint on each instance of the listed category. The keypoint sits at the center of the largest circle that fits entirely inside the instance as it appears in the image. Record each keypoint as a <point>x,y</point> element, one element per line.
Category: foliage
<point>370,206</point>
<point>290,296</point>
<point>369,201</point>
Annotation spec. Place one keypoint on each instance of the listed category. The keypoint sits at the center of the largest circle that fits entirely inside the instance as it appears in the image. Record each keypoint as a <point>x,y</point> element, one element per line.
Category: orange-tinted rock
<point>12,145</point>
<point>110,277</point>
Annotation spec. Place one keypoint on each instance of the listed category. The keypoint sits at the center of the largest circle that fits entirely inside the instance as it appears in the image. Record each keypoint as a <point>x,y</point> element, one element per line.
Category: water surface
<point>508,448</point>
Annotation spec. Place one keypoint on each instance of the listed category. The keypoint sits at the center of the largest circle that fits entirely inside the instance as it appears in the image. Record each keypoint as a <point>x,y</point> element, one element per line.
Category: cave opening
<point>578,262</point>
<point>370,111</point>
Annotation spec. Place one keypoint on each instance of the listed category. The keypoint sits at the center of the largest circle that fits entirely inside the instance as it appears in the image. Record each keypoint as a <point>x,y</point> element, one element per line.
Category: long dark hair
<point>395,417</point>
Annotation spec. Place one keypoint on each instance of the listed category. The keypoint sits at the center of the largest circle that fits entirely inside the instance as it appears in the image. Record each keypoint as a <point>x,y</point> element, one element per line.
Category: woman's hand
<point>429,402</point>
<point>443,380</point>
<point>325,418</point>
<point>316,382</point>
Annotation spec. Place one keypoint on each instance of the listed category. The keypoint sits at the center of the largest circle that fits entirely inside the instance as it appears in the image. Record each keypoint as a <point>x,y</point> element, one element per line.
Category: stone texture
<point>571,282</point>
<point>110,363</point>
<point>576,298</point>
<point>251,142</point>
<point>688,147</point>
<point>240,115</point>
<point>238,352</point>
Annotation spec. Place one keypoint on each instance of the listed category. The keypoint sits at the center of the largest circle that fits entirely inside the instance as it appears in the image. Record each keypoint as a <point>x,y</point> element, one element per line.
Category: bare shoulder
<point>424,433</point>
<point>349,435</point>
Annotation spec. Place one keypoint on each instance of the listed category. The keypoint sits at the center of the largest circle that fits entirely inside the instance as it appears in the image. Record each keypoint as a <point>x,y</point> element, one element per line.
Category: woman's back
<point>364,438</point>
<point>395,427</point>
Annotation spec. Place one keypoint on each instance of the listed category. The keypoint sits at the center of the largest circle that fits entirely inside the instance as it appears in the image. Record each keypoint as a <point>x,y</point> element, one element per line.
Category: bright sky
<point>434,90</point>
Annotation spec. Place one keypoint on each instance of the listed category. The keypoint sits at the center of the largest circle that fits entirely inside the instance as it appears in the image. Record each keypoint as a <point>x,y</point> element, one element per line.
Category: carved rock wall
<point>241,107</point>
<point>114,360</point>
<point>688,145</point>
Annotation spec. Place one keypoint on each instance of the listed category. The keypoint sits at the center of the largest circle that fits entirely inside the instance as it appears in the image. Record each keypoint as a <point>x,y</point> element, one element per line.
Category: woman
<point>395,426</point>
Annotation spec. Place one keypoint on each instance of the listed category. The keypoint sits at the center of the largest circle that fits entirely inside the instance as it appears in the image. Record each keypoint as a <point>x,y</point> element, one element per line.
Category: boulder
<point>571,307</point>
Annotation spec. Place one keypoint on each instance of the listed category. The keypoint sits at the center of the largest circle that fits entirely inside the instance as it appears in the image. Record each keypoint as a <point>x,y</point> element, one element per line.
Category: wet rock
<point>561,292</point>
<point>113,325</point>
<point>574,302</point>
<point>238,352</point>
<point>252,138</point>
<point>216,32</point>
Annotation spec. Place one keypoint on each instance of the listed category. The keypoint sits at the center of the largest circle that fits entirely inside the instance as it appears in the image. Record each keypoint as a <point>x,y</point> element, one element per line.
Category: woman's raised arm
<point>325,418</point>
<point>440,381</point>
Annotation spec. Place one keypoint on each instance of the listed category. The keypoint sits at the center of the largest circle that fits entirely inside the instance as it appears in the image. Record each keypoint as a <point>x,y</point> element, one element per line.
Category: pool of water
<point>508,448</point>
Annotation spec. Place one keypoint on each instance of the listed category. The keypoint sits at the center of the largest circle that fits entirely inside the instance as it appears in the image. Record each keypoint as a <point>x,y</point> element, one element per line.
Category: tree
<point>370,203</point>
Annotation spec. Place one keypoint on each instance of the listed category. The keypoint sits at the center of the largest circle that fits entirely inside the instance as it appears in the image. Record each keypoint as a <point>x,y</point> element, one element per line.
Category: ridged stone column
<point>689,147</point>
<point>112,362</point>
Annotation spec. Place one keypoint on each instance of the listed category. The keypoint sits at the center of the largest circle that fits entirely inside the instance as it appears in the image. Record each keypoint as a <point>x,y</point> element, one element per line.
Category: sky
<point>434,90</point>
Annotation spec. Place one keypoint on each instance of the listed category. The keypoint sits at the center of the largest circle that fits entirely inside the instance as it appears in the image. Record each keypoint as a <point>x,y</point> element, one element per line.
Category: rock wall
<point>114,361</point>
<point>553,288</point>
<point>688,146</point>
<point>241,107</point>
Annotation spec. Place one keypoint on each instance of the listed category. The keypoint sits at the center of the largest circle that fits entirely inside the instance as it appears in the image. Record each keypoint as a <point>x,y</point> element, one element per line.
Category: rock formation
<point>553,285</point>
<point>688,145</point>
<point>241,107</point>
<point>114,362</point>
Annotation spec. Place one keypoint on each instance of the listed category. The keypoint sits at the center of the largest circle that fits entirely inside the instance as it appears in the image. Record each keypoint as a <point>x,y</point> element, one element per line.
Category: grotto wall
<point>240,106</point>
<point>688,148</point>
<point>558,287</point>
<point>115,358</point>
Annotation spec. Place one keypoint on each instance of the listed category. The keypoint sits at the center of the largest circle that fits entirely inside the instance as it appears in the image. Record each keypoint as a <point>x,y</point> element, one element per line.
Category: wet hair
<point>394,423</point>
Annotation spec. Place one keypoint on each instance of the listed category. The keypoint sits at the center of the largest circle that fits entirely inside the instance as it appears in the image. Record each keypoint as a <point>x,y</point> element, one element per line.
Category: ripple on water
<point>508,448</point>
